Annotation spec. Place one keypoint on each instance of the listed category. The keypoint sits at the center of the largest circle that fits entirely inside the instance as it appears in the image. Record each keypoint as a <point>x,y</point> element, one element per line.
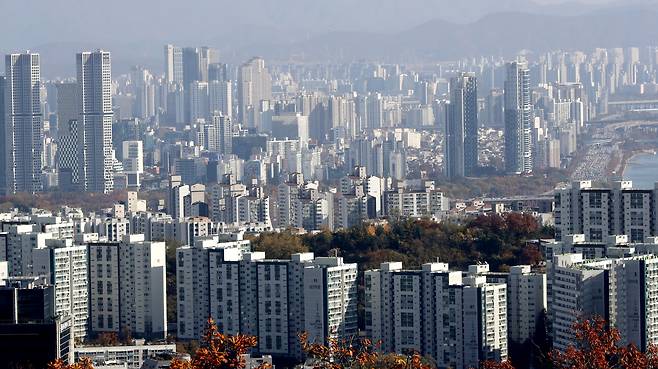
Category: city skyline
<point>446,185</point>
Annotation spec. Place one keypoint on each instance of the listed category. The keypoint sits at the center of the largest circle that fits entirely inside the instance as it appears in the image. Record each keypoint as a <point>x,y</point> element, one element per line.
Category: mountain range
<point>308,30</point>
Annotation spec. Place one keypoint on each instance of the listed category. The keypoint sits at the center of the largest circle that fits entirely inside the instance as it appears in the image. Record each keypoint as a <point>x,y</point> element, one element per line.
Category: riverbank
<point>628,156</point>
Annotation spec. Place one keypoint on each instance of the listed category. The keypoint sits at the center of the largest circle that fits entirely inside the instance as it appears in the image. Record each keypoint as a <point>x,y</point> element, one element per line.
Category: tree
<point>84,363</point>
<point>219,351</point>
<point>279,245</point>
<point>496,365</point>
<point>361,354</point>
<point>597,346</point>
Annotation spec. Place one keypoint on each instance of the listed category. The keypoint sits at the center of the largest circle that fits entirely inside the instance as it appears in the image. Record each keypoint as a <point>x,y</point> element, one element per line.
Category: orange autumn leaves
<point>363,354</point>
<point>84,363</point>
<point>596,347</point>
<point>219,351</point>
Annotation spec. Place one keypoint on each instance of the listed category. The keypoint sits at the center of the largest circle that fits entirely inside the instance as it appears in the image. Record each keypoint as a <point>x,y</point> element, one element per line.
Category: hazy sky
<point>31,22</point>
<point>135,30</point>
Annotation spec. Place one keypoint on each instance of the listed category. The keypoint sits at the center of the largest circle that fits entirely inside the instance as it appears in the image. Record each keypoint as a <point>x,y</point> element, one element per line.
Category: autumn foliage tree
<point>219,351</point>
<point>598,347</point>
<point>360,354</point>
<point>84,363</point>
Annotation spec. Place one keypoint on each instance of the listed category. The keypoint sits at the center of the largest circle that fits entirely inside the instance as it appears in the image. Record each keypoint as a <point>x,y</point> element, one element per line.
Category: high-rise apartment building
<point>95,156</point>
<point>458,320</point>
<point>23,128</point>
<point>128,287</point>
<point>133,162</point>
<point>518,119</point>
<point>273,300</point>
<point>461,157</point>
<point>620,290</point>
<point>599,213</point>
<point>254,85</point>
<point>65,267</point>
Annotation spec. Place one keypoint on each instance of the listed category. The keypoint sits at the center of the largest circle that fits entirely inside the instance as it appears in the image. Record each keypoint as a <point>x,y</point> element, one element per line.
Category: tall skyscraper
<point>23,128</point>
<point>173,64</point>
<point>3,141</point>
<point>67,120</point>
<point>220,97</point>
<point>462,127</point>
<point>254,85</point>
<point>95,122</point>
<point>518,119</point>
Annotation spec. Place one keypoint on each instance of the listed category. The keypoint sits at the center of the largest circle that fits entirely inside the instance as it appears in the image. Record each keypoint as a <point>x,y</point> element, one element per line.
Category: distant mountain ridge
<point>337,36</point>
<point>495,34</point>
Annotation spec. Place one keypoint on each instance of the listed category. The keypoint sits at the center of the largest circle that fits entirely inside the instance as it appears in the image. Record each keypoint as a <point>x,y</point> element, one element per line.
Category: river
<point>642,169</point>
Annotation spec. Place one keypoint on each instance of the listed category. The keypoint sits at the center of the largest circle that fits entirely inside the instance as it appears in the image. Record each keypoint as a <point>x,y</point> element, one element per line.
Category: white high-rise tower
<point>23,128</point>
<point>95,122</point>
<point>518,119</point>
<point>254,85</point>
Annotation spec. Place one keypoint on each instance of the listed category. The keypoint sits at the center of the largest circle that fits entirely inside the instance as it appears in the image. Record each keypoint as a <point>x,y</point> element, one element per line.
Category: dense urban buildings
<point>141,195</point>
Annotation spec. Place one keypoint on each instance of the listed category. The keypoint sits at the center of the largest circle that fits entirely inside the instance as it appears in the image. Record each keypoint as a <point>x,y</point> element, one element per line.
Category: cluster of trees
<point>500,186</point>
<point>500,240</point>
<point>55,200</point>
<point>597,346</point>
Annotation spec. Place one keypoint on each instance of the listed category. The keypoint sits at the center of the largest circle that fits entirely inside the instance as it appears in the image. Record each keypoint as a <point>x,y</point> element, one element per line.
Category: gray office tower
<point>95,156</point>
<point>462,127</point>
<point>3,140</point>
<point>518,119</point>
<point>23,124</point>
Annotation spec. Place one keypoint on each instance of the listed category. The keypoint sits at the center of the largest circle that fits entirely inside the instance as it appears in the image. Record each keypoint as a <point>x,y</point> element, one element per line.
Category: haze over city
<point>346,184</point>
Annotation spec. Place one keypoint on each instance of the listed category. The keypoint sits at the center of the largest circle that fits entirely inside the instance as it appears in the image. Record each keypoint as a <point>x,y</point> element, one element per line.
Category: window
<point>407,301</point>
<point>181,294</point>
<point>100,321</point>
<point>407,320</point>
<point>407,337</point>
<point>278,342</point>
<point>99,287</point>
<point>109,288</point>
<point>110,322</point>
<point>99,253</point>
<point>637,200</point>
<point>406,283</point>
<point>595,200</point>
<point>637,235</point>
<point>595,235</point>
<point>596,218</point>
<point>637,219</point>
